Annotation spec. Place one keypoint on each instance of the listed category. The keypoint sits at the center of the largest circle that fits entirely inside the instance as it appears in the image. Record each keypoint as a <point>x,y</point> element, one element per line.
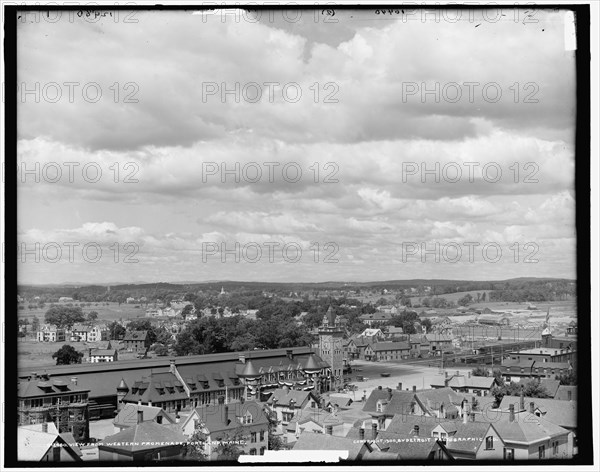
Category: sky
<point>365,146</point>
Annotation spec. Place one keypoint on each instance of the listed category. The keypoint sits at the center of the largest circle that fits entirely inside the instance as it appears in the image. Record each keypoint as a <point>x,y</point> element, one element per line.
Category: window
<point>542,452</point>
<point>509,454</point>
<point>555,448</point>
<point>253,452</point>
<point>253,437</point>
<point>313,404</point>
<point>262,451</point>
<point>262,436</point>
<point>443,437</point>
<point>489,442</point>
<point>435,434</point>
<point>287,417</point>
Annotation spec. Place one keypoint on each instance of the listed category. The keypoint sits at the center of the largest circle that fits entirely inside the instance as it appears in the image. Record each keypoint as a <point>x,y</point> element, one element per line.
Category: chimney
<point>242,358</point>
<point>389,393</point>
<point>569,396</point>
<point>379,387</point>
<point>511,413</point>
<point>531,407</point>
<point>90,352</point>
<point>140,416</point>
<point>416,430</point>
<point>177,418</point>
<point>374,430</point>
<point>44,427</point>
<point>225,414</point>
<point>290,354</point>
<point>469,374</point>
<point>522,402</point>
<point>172,366</point>
<point>73,380</point>
<point>361,433</point>
<point>329,430</point>
<point>472,415</point>
<point>399,388</point>
<point>414,388</point>
<point>457,373</point>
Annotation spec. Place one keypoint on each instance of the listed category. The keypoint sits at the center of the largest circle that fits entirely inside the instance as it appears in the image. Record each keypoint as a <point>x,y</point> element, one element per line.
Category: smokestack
<point>361,433</point>
<point>531,407</point>
<point>329,430</point>
<point>374,430</point>
<point>399,386</point>
<point>511,413</point>
<point>140,416</point>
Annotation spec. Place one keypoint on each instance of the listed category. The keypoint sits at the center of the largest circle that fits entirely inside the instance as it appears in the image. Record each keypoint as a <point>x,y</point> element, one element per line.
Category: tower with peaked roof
<point>331,349</point>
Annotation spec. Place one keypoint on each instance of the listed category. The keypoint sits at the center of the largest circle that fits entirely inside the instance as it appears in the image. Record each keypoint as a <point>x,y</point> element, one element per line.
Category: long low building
<point>102,379</point>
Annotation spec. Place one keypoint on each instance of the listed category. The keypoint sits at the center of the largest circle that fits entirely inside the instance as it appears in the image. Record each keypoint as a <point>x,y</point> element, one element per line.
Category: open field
<point>39,354</point>
<point>106,313</point>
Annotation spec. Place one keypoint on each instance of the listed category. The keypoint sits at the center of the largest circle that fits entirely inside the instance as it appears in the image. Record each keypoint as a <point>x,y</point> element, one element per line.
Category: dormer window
<point>379,407</point>
<point>245,419</point>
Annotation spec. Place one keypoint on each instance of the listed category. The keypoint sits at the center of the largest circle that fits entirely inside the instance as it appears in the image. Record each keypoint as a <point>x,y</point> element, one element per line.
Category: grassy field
<point>39,354</point>
<point>106,313</point>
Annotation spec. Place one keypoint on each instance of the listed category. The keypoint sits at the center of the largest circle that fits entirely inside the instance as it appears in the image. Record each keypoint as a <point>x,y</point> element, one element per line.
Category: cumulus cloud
<point>366,133</point>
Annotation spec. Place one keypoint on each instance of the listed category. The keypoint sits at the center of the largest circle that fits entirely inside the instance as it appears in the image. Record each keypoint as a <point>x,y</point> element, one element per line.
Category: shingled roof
<point>158,387</point>
<point>559,412</point>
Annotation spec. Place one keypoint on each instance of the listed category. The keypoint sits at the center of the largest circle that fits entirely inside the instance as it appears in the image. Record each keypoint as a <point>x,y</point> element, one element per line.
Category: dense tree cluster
<point>67,355</point>
<point>236,333</point>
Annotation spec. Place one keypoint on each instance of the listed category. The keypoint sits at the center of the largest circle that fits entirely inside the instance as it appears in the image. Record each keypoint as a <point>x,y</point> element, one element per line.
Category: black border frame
<point>582,222</point>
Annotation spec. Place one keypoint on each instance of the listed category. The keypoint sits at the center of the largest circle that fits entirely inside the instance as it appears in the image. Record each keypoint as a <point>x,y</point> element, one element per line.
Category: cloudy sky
<point>338,110</point>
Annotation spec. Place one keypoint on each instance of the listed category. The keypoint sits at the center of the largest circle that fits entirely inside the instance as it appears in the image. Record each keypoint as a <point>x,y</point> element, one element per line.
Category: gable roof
<point>431,400</point>
<point>463,381</point>
<point>376,395</point>
<point>526,429</point>
<point>33,443</point>
<point>342,402</point>
<point>212,417</point>
<point>128,416</point>
<point>391,346</point>
<point>142,437</point>
<point>559,412</point>
<point>563,392</point>
<point>468,436</point>
<point>135,336</point>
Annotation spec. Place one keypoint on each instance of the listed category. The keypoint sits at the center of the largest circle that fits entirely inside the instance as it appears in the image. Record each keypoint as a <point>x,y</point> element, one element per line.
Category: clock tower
<point>331,349</point>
